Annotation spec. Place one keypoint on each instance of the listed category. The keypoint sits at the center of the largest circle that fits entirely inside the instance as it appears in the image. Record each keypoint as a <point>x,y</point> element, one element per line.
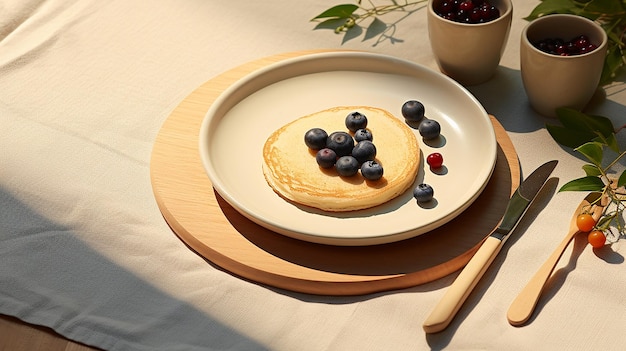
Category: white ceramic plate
<point>242,118</point>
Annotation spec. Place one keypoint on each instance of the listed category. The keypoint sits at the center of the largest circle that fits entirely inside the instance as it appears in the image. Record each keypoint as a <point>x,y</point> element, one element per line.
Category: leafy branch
<point>594,137</point>
<point>350,18</point>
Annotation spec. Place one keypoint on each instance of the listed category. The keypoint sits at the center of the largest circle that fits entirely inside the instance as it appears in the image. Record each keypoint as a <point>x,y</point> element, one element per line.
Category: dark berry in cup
<point>466,11</point>
<point>564,47</point>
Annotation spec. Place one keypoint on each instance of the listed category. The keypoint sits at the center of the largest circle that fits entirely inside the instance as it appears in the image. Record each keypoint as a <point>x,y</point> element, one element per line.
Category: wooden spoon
<point>524,304</point>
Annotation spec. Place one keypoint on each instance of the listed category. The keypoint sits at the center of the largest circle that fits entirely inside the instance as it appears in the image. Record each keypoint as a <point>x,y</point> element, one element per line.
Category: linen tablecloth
<point>84,89</point>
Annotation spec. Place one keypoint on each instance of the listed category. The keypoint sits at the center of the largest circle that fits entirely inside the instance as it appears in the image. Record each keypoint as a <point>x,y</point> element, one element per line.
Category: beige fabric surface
<point>85,87</point>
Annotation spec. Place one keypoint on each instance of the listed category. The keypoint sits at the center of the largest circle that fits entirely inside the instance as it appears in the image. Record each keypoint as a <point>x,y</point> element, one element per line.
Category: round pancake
<point>291,170</point>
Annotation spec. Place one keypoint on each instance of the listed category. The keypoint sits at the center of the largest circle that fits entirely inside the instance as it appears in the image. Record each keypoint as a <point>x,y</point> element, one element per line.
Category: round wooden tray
<point>216,231</point>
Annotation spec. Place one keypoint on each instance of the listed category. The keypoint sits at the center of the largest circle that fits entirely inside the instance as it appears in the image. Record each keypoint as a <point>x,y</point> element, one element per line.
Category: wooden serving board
<point>216,231</point>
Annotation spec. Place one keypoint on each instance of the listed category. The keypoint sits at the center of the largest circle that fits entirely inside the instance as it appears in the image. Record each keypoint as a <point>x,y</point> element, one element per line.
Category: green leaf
<point>591,170</point>
<point>332,23</point>
<point>611,141</point>
<point>592,151</point>
<point>622,180</point>
<point>604,6</point>
<point>569,138</point>
<point>579,128</point>
<point>551,6</point>
<point>584,184</point>
<point>601,124</point>
<point>573,119</point>
<point>338,11</point>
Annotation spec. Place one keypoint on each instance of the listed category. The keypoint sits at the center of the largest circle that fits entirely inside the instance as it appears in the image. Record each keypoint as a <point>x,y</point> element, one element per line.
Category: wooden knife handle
<point>457,293</point>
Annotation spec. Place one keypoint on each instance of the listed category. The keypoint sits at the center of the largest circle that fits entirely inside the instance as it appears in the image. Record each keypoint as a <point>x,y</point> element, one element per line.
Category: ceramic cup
<point>469,53</point>
<point>553,81</point>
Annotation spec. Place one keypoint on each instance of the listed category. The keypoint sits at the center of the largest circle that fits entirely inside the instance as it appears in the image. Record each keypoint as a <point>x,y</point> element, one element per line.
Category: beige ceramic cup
<point>553,81</point>
<point>469,53</point>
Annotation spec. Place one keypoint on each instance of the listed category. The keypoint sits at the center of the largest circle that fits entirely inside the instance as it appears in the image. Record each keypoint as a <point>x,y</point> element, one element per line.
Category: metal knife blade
<point>457,293</point>
<point>522,197</point>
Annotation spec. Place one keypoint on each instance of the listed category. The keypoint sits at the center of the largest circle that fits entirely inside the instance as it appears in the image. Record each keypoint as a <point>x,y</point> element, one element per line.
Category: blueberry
<point>347,166</point>
<point>363,134</point>
<point>423,193</point>
<point>356,121</point>
<point>364,151</point>
<point>315,138</point>
<point>429,129</point>
<point>413,111</point>
<point>326,158</point>
<point>371,170</point>
<point>341,142</point>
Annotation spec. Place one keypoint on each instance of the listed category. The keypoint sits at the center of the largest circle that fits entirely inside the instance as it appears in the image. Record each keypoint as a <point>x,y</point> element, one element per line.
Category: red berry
<point>435,160</point>
<point>475,15</point>
<point>445,7</point>
<point>466,5</point>
<point>582,41</point>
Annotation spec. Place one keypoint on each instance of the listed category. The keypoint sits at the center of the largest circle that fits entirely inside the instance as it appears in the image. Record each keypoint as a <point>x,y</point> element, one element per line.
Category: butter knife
<point>457,293</point>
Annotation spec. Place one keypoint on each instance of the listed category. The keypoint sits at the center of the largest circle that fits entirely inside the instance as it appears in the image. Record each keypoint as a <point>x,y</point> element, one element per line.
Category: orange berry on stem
<point>596,238</point>
<point>585,222</point>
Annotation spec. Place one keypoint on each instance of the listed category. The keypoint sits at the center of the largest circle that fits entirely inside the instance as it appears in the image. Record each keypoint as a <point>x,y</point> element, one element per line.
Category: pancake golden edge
<point>290,168</point>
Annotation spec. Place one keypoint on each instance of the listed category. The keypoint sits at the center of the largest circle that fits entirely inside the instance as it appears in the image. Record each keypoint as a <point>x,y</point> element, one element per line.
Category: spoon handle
<point>524,304</point>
